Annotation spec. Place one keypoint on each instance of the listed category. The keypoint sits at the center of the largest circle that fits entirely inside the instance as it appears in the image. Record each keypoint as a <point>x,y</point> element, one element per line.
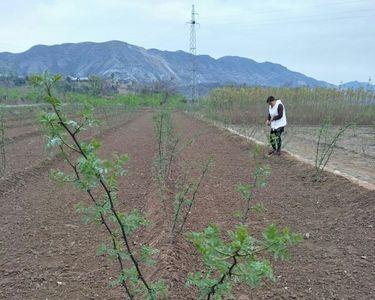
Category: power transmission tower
<point>193,52</point>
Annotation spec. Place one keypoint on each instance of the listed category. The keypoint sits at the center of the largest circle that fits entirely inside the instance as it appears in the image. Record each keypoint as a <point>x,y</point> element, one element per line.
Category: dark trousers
<point>275,138</point>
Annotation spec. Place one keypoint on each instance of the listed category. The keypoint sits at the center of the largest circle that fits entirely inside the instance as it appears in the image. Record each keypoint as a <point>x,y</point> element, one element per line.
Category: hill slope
<point>354,85</point>
<point>135,63</point>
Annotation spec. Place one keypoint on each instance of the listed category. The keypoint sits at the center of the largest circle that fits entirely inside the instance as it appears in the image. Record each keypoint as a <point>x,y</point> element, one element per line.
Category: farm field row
<point>25,143</point>
<point>354,154</point>
<point>46,252</point>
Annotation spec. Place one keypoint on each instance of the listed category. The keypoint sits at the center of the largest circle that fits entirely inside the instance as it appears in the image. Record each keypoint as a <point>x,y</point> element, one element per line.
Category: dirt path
<point>47,253</point>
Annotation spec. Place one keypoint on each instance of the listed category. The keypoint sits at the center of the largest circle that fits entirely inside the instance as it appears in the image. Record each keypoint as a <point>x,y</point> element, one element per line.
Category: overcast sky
<point>332,40</point>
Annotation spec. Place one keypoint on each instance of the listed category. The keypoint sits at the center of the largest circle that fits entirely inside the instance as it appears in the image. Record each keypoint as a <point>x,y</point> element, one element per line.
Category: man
<point>277,121</point>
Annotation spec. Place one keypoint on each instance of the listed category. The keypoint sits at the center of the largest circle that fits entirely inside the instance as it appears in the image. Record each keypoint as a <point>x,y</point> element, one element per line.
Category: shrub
<point>99,180</point>
<point>238,260</point>
<point>239,257</point>
<point>326,144</point>
<point>306,106</point>
<point>177,190</point>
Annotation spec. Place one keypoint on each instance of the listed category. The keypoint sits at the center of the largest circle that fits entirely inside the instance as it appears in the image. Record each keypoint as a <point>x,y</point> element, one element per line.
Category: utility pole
<point>193,52</point>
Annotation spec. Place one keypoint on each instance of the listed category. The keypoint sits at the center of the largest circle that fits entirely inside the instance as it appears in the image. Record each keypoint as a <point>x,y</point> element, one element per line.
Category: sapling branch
<point>172,156</point>
<point>325,149</point>
<point>63,140</point>
<point>248,199</point>
<point>260,174</point>
<point>2,145</point>
<point>180,200</point>
<point>235,261</point>
<point>223,276</point>
<point>170,179</point>
<point>103,221</point>
<point>77,147</point>
<point>80,126</point>
<point>195,191</point>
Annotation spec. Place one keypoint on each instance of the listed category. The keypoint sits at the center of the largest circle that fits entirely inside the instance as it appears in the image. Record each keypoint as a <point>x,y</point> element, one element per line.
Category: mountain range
<point>354,85</point>
<point>134,63</point>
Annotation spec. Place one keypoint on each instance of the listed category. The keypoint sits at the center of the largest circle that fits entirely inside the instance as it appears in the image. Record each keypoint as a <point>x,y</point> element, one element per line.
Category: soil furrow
<point>46,252</point>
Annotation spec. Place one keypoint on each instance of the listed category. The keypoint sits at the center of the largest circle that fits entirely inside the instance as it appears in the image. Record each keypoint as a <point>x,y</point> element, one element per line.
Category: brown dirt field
<point>354,153</point>
<point>25,144</point>
<point>46,252</point>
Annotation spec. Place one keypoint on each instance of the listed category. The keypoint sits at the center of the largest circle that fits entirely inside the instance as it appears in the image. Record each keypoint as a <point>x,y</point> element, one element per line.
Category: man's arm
<point>280,110</point>
<point>268,120</point>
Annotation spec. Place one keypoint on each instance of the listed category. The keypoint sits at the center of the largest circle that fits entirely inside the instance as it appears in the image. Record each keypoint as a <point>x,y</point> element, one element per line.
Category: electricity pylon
<point>193,52</point>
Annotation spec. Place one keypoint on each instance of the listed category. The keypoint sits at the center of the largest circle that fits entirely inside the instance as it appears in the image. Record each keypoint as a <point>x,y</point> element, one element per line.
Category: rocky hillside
<point>135,63</point>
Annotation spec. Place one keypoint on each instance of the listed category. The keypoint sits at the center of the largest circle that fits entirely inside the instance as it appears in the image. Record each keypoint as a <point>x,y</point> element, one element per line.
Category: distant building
<point>77,79</point>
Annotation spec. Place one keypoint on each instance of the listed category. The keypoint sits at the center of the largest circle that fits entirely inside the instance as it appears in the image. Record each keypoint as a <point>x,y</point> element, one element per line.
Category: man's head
<point>271,100</point>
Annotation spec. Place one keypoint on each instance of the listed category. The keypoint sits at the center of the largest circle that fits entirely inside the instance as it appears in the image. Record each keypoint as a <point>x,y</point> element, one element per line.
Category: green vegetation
<point>247,105</point>
<point>177,187</point>
<point>306,109</point>
<point>29,94</point>
<point>98,178</point>
<point>21,93</point>
<point>260,174</point>
<point>326,144</point>
<point>129,101</point>
<point>237,258</point>
<point>2,144</point>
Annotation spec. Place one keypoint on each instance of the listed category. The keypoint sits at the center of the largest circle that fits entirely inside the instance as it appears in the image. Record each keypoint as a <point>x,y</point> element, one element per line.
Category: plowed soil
<point>354,153</point>
<point>47,253</point>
